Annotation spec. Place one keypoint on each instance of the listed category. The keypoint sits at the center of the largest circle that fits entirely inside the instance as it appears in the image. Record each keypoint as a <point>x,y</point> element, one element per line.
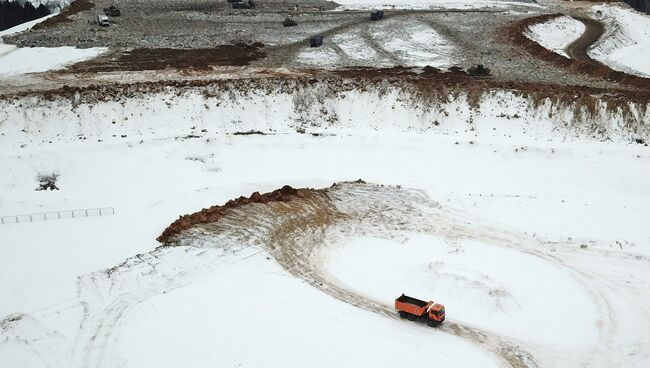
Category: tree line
<point>640,5</point>
<point>13,13</point>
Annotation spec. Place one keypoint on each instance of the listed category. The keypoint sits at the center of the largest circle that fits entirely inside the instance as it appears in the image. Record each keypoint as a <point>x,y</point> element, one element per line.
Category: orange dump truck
<point>415,309</point>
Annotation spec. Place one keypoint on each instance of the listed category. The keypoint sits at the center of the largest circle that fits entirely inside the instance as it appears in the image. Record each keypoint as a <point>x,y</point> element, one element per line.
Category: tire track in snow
<point>298,234</point>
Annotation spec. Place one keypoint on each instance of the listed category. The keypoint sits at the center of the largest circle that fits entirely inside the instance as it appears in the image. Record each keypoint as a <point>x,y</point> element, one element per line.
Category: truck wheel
<point>410,317</point>
<point>433,323</point>
<point>402,314</point>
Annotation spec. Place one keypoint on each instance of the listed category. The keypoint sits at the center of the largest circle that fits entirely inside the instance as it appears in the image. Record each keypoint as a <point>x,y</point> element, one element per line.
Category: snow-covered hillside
<point>559,216</point>
<point>557,33</point>
<point>626,43</point>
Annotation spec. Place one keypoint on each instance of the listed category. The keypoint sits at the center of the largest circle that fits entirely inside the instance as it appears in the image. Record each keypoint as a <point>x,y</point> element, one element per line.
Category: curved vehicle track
<point>579,62</point>
<point>578,49</point>
<point>299,231</point>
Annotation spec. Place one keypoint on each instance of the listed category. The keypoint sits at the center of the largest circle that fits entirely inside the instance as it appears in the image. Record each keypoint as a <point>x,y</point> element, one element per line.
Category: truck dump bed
<point>411,300</point>
<point>411,305</point>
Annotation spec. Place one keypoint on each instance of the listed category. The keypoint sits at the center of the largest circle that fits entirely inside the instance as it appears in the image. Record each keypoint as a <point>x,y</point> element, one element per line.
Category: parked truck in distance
<point>103,21</point>
<point>377,15</point>
<point>418,310</point>
<point>243,4</point>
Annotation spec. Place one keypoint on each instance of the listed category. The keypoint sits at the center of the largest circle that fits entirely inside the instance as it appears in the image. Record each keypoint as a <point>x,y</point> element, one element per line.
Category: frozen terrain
<point>505,214</point>
<point>626,43</point>
<point>386,43</point>
<point>430,4</point>
<point>15,61</point>
<point>557,33</point>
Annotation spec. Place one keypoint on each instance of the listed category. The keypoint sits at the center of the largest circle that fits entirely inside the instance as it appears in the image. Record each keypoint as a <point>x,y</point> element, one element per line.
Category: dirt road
<point>578,49</point>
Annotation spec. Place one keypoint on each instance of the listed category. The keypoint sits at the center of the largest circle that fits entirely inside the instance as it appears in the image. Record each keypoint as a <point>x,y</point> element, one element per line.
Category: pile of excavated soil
<point>214,213</point>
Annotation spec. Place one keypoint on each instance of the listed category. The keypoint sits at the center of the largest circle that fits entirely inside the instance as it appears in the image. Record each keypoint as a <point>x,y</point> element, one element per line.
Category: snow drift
<point>626,43</point>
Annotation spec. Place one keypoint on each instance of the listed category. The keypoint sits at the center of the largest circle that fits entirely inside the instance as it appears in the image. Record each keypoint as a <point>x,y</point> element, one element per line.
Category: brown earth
<point>427,85</point>
<point>578,49</point>
<point>426,79</point>
<point>581,62</point>
<point>75,7</point>
<point>214,213</point>
<point>158,59</point>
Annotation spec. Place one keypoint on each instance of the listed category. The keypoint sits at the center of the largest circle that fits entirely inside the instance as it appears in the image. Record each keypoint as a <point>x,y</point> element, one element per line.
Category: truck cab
<point>436,311</point>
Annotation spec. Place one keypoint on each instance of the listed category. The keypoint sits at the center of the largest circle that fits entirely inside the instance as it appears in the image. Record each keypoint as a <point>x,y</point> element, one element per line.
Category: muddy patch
<point>187,59</point>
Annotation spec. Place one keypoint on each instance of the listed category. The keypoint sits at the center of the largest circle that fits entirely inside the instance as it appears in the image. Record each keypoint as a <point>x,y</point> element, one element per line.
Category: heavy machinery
<point>478,71</point>
<point>418,310</point>
<point>243,4</point>
<point>103,21</point>
<point>316,41</point>
<point>377,15</point>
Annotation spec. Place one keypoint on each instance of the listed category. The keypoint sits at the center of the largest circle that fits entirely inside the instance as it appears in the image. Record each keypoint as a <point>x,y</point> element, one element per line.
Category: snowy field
<point>430,4</point>
<point>556,34</point>
<point>559,270</point>
<point>390,42</point>
<point>626,43</point>
<point>15,61</point>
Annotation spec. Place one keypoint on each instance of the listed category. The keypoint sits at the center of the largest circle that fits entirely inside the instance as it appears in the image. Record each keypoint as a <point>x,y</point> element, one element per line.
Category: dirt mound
<point>214,213</point>
<point>158,59</point>
<point>75,7</point>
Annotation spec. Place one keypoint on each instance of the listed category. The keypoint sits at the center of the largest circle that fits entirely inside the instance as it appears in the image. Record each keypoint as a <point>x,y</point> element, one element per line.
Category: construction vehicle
<point>414,309</point>
<point>243,4</point>
<point>316,41</point>
<point>377,15</point>
<point>288,22</point>
<point>478,71</point>
<point>103,21</point>
<point>112,11</point>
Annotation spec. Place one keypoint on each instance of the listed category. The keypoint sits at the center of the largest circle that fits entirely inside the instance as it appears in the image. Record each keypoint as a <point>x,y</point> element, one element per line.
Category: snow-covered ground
<point>626,43</point>
<point>232,304</point>
<point>430,4</point>
<point>15,61</point>
<point>390,42</point>
<point>557,33</point>
<point>414,43</point>
<point>24,26</point>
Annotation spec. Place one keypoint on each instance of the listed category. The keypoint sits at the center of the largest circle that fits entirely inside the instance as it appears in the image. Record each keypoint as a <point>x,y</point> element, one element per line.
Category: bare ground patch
<point>158,59</point>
